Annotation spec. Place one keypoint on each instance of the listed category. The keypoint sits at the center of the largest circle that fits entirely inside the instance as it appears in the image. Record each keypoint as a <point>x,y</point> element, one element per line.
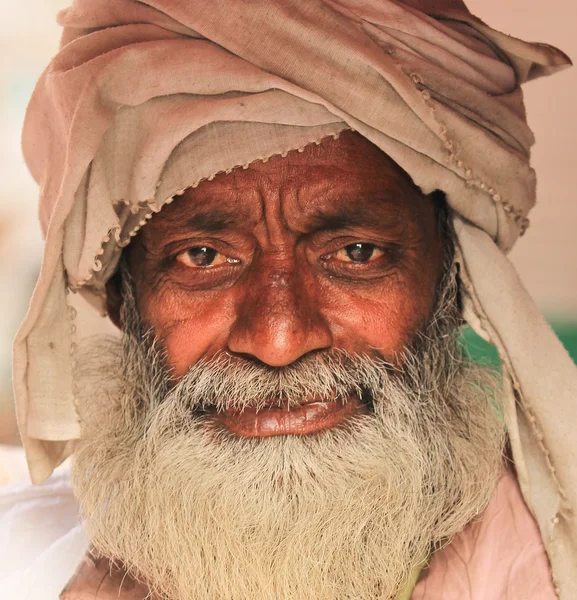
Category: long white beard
<point>342,514</point>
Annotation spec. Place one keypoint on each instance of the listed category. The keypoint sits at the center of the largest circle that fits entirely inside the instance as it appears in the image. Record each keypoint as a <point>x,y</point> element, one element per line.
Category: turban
<point>147,98</point>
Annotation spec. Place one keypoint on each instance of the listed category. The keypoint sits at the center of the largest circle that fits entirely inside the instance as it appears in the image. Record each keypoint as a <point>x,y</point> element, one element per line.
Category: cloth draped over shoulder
<point>147,98</point>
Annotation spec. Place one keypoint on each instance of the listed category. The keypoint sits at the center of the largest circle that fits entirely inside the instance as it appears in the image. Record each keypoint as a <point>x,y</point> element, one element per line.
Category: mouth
<point>310,416</point>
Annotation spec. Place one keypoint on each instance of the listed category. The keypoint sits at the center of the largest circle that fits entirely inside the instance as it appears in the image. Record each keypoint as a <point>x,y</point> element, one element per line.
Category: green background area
<point>481,351</point>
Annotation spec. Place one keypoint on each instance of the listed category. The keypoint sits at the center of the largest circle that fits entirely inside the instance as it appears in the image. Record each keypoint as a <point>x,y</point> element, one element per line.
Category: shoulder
<point>499,555</point>
<point>41,539</point>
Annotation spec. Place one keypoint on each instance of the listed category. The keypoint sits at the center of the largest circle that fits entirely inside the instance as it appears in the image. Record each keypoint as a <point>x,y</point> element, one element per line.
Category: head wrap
<point>147,98</point>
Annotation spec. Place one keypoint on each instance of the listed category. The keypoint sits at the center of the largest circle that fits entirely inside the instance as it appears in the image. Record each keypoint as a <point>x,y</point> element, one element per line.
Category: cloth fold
<point>147,98</point>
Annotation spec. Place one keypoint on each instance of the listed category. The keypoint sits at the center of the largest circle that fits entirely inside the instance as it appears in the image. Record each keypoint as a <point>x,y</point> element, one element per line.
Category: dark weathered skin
<point>291,288</point>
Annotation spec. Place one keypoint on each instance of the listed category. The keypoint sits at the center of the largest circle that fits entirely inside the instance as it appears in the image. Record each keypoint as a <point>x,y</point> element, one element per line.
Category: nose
<point>279,319</point>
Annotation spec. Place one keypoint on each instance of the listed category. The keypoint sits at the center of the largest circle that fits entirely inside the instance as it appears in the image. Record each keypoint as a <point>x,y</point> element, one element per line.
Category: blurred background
<point>546,256</point>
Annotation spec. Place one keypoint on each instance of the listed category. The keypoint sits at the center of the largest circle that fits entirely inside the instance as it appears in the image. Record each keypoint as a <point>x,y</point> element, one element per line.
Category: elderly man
<point>288,209</point>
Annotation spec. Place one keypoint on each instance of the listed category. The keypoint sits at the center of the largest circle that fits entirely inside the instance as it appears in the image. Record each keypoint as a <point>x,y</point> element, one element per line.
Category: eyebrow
<point>353,216</point>
<point>212,221</point>
<point>209,221</point>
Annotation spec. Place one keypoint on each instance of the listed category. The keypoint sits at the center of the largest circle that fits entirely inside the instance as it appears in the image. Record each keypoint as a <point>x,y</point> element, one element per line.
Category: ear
<point>114,299</point>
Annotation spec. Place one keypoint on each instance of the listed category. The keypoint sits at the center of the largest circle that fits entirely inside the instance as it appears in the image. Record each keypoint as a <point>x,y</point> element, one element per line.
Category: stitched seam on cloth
<point>72,313</point>
<point>471,180</point>
<point>538,434</point>
<point>520,398</point>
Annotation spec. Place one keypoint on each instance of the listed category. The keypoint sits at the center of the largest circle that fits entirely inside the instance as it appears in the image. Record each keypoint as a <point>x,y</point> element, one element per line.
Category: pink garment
<point>499,557</point>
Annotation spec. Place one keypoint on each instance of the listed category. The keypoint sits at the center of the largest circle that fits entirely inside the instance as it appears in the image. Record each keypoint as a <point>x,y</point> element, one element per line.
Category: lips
<point>310,416</point>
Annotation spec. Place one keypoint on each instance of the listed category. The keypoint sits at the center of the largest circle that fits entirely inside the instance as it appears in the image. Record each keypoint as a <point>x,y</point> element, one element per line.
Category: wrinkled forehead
<point>342,181</point>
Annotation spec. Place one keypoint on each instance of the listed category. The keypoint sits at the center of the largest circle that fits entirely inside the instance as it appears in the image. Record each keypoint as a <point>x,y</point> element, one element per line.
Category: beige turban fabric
<point>147,98</point>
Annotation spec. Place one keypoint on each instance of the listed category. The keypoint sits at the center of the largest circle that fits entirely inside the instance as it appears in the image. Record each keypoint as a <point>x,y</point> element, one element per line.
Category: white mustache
<point>230,382</point>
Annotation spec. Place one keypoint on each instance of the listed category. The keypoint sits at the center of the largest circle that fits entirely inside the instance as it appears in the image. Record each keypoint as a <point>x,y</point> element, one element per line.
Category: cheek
<point>383,318</point>
<point>190,327</point>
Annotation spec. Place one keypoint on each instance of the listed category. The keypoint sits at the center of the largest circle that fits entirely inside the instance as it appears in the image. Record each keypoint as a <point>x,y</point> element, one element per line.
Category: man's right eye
<point>204,257</point>
<point>359,252</point>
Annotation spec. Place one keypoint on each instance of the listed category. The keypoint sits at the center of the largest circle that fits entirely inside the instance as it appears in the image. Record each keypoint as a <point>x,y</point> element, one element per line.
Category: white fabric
<point>41,539</point>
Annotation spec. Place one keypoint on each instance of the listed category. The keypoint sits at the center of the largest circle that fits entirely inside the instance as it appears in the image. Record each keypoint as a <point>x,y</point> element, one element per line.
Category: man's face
<point>329,248</point>
<point>305,295</point>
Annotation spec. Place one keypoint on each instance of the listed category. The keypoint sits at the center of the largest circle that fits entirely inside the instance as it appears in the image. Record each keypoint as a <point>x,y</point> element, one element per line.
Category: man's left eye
<point>359,252</point>
<point>203,257</point>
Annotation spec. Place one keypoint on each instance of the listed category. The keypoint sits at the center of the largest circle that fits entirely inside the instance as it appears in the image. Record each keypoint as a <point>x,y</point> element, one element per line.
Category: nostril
<point>251,358</point>
<point>261,364</point>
